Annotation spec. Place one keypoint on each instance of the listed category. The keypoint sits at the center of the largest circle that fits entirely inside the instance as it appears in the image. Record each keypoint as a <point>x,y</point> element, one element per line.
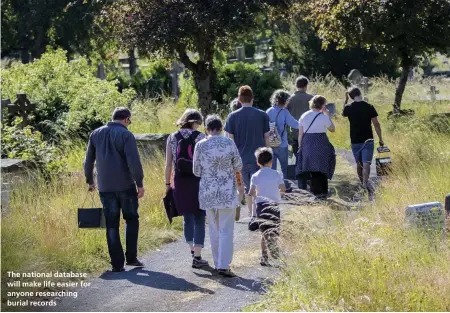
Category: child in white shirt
<point>266,186</point>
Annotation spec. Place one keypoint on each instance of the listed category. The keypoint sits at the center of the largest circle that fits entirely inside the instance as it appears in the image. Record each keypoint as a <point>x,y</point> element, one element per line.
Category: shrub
<point>151,81</point>
<point>230,77</point>
<point>188,94</point>
<point>67,94</point>
<point>27,144</point>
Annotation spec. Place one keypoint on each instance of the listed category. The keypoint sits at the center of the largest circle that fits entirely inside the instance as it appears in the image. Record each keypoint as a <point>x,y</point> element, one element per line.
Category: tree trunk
<point>132,62</point>
<point>406,68</point>
<point>203,87</point>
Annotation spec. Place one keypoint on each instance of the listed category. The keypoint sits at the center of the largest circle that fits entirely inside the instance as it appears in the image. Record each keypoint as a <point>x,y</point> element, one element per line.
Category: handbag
<point>91,217</point>
<point>274,137</point>
<point>169,205</point>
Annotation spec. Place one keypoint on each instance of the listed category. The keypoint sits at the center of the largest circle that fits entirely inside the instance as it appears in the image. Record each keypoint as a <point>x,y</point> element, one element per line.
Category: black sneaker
<point>225,273</point>
<point>136,263</point>
<point>198,262</point>
<point>117,269</point>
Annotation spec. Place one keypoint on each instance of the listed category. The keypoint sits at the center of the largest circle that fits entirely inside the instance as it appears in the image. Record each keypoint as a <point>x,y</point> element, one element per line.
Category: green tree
<point>298,47</point>
<point>30,26</point>
<point>406,30</point>
<point>175,28</point>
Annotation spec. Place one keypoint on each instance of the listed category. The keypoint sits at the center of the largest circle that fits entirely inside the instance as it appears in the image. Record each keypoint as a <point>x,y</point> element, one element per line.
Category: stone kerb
<point>149,144</point>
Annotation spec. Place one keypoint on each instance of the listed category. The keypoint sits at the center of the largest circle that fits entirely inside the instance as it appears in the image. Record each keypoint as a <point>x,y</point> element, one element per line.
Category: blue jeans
<point>247,172</point>
<point>113,202</point>
<point>363,152</point>
<point>194,229</point>
<point>281,154</point>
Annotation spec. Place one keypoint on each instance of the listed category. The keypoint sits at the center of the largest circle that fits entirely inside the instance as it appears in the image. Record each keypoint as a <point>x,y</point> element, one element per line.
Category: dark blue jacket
<point>113,148</point>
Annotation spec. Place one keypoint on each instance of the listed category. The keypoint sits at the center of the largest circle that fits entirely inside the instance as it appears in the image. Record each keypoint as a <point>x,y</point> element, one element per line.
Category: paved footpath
<point>168,283</point>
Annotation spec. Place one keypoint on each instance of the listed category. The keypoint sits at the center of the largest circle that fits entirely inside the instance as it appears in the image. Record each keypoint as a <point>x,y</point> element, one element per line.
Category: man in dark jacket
<point>120,183</point>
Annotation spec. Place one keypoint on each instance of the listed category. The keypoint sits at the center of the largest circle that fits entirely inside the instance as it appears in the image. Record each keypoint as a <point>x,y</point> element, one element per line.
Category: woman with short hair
<point>185,184</point>
<point>316,155</point>
<point>279,115</point>
<point>216,162</point>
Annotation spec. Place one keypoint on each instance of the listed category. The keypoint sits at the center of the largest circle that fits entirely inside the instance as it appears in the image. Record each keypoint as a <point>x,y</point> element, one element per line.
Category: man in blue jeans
<point>120,183</point>
<point>249,128</point>
<point>361,116</point>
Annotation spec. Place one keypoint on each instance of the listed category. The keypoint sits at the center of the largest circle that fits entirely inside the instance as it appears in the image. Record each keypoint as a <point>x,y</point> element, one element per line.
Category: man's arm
<point>267,139</point>
<point>134,162</point>
<point>377,126</point>
<point>89,162</point>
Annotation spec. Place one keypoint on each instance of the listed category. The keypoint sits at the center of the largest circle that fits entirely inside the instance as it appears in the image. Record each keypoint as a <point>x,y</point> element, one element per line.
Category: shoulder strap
<point>178,136</point>
<point>312,122</point>
<point>194,135</point>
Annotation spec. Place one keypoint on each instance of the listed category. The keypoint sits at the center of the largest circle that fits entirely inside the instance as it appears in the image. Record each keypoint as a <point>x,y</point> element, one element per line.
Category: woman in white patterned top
<point>216,161</point>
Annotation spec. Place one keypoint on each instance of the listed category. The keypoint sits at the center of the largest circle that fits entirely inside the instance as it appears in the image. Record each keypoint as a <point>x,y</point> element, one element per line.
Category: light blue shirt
<point>267,185</point>
<point>284,119</point>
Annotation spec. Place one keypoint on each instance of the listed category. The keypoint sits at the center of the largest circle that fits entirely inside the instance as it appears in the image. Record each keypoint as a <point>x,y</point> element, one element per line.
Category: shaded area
<point>158,280</point>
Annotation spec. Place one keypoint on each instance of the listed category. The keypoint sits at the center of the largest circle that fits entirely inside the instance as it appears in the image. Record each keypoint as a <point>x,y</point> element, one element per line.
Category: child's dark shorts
<point>268,214</point>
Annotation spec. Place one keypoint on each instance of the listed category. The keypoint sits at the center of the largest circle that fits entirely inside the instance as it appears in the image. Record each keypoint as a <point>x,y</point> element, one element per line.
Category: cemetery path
<point>168,283</point>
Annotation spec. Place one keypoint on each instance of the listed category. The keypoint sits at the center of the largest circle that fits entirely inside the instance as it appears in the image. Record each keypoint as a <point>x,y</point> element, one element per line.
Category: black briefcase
<point>91,218</point>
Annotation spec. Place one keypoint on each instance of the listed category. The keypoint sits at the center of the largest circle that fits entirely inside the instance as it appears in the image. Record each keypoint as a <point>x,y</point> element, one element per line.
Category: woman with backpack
<point>216,162</point>
<point>185,185</point>
<point>316,155</point>
<point>280,118</point>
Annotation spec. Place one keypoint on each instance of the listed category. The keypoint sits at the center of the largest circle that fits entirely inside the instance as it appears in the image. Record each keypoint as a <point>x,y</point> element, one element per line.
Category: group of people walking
<point>208,174</point>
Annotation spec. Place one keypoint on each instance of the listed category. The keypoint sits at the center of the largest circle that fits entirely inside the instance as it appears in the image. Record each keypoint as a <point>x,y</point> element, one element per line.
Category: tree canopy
<point>401,29</point>
<point>31,26</point>
<point>174,28</point>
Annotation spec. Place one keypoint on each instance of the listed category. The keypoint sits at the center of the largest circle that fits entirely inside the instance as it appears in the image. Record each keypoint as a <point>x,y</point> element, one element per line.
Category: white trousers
<point>221,230</point>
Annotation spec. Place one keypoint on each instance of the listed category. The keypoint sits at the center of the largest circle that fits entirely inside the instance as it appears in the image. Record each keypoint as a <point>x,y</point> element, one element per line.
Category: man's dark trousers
<point>113,202</point>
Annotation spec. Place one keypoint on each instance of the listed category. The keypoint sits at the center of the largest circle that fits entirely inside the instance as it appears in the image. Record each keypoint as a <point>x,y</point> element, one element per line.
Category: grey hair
<point>235,104</point>
<point>280,97</point>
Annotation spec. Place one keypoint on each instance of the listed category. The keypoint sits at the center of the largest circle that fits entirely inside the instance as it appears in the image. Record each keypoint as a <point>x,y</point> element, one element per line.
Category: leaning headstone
<point>331,107</point>
<point>355,77</point>
<point>427,216</point>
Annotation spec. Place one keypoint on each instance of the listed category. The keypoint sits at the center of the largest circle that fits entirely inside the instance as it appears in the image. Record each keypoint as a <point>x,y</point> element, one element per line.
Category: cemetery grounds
<point>359,261</point>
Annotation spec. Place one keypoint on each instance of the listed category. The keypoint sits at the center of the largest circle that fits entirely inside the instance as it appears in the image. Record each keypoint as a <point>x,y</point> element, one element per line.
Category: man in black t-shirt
<point>361,116</point>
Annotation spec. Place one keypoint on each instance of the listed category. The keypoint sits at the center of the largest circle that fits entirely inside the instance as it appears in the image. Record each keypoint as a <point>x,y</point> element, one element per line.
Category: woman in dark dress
<point>186,187</point>
<point>316,155</point>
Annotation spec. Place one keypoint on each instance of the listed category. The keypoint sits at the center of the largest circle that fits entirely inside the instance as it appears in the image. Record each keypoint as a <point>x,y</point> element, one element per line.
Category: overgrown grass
<point>40,232</point>
<point>370,261</point>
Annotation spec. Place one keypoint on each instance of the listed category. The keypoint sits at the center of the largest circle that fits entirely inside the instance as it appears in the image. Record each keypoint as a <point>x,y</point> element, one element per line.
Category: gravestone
<point>176,70</point>
<point>101,71</point>
<point>355,77</point>
<point>433,92</point>
<point>331,107</point>
<point>149,144</point>
<point>22,107</point>
<point>240,53</point>
<point>365,85</point>
<point>14,171</point>
<point>426,216</point>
